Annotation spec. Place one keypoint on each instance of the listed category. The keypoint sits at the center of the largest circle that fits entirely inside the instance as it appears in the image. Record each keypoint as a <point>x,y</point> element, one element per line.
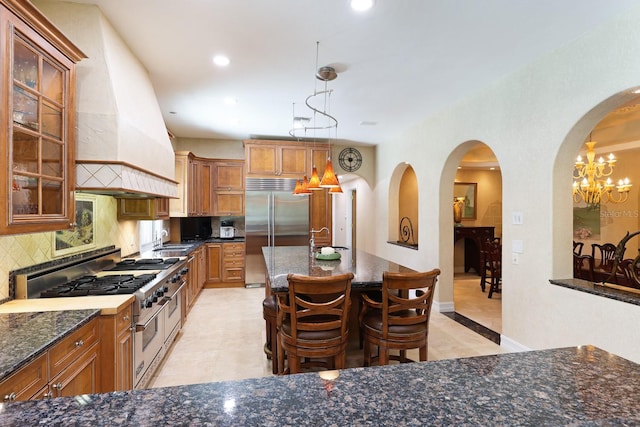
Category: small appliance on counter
<point>227,230</point>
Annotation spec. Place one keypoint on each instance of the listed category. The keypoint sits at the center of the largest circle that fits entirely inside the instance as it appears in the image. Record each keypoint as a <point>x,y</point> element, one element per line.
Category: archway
<point>615,125</point>
<point>477,173</point>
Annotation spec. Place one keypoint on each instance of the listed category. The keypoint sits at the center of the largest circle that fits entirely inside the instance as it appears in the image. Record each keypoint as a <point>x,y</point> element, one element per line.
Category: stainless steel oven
<point>155,283</point>
<point>148,342</point>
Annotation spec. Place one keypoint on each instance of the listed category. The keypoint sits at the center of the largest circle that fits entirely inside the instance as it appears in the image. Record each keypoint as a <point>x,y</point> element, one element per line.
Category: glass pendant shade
<point>305,187</point>
<point>298,189</point>
<point>314,182</point>
<point>335,190</point>
<point>329,180</point>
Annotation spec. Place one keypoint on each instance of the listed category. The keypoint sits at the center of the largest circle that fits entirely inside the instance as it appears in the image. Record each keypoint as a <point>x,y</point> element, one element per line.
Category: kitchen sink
<point>172,247</point>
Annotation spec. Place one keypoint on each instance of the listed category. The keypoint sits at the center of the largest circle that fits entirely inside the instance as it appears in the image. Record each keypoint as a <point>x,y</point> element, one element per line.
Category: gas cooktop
<point>116,284</point>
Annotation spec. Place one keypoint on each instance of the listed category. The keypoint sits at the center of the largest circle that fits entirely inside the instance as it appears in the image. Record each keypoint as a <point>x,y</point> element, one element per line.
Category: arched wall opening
<point>403,206</point>
<point>628,159</point>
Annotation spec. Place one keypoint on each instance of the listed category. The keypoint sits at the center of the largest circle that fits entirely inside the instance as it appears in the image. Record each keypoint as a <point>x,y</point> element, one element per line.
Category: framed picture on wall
<point>82,236</point>
<point>467,193</point>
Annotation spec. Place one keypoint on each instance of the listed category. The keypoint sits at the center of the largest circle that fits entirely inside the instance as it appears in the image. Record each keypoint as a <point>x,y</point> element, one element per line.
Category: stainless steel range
<point>154,282</point>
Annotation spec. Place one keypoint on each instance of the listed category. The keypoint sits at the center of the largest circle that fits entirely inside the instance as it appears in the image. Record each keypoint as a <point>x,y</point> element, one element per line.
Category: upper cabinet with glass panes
<point>38,135</point>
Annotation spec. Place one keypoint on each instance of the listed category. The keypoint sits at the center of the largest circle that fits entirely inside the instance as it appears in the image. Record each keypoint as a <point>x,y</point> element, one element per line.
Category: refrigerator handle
<point>269,219</point>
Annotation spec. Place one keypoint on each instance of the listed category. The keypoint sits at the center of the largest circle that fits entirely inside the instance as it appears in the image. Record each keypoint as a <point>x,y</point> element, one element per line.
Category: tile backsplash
<point>23,250</point>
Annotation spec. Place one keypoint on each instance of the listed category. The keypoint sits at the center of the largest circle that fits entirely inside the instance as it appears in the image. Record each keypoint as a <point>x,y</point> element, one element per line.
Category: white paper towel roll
<point>327,250</point>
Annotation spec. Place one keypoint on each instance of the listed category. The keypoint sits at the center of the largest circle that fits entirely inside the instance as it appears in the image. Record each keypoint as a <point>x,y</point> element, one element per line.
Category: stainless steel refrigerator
<point>273,217</point>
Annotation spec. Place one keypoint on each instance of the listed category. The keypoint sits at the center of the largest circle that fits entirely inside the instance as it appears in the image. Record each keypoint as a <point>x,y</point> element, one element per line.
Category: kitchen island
<point>366,268</point>
<point>570,386</point>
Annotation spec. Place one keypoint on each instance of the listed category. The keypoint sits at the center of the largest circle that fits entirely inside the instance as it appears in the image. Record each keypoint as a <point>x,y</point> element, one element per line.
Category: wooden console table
<point>473,238</point>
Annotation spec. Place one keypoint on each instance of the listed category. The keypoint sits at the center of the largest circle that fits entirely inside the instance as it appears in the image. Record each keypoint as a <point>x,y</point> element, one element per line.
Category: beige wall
<point>535,121</point>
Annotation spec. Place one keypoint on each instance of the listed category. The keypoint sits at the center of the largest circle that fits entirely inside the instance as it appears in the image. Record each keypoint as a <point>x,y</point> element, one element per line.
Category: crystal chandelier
<point>589,184</point>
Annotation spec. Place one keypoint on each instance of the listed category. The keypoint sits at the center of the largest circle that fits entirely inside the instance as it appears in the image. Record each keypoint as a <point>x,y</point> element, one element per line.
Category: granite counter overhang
<point>570,386</point>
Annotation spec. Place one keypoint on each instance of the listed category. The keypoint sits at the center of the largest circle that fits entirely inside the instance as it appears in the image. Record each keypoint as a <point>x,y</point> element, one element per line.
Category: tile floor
<point>224,335</point>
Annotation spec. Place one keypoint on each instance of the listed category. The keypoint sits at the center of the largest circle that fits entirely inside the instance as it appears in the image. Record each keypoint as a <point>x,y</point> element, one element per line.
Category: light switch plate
<point>516,218</point>
<point>517,246</point>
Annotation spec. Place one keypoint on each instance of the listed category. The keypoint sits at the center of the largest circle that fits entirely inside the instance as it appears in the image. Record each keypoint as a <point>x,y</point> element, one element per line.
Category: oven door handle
<point>142,328</point>
<point>168,299</point>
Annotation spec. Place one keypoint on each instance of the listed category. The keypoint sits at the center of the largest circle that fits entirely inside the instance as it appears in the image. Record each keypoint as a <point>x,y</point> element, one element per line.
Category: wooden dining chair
<point>313,322</point>
<point>577,247</point>
<point>401,320</point>
<point>491,266</point>
<point>603,257</point>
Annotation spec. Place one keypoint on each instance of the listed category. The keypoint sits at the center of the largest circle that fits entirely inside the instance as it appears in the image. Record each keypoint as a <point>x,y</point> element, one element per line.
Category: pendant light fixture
<point>324,74</point>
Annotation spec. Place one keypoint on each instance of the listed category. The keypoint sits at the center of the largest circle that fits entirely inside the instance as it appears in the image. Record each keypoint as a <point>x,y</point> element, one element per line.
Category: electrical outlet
<point>515,258</point>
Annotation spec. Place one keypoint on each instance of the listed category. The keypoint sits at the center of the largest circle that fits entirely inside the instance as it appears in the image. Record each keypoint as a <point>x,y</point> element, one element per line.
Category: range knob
<point>159,292</point>
<point>175,278</point>
<point>184,270</point>
<point>148,303</point>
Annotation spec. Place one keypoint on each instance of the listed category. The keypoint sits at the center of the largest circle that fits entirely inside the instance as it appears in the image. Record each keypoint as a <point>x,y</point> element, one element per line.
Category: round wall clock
<point>350,159</point>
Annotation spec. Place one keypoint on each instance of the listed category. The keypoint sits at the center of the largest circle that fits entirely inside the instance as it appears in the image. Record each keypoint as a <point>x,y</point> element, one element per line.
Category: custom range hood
<point>123,148</point>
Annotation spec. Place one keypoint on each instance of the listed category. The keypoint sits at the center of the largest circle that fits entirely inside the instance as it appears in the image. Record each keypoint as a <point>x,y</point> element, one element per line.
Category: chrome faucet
<point>159,235</point>
<point>312,242</point>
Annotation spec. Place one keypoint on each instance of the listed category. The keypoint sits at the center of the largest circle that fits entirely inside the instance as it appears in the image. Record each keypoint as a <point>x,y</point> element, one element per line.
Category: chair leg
<point>423,353</point>
<point>367,353</point>
<point>383,359</point>
<point>280,356</point>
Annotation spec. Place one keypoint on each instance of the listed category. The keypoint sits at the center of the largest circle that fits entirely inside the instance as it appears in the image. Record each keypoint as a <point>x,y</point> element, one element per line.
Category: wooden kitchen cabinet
<point>143,209</point>
<point>269,159</point>
<point>229,175</point>
<point>70,367</point>
<point>80,376</point>
<point>196,265</point>
<point>27,383</point>
<point>320,215</point>
<point>228,188</point>
<point>225,264</point>
<point>318,155</point>
<point>196,179</point>
<point>214,263</point>
<point>233,263</point>
<point>37,138</point>
<point>116,336</point>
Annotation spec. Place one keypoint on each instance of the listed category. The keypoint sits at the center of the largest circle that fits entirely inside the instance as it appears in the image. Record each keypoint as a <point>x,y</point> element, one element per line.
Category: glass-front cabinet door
<point>39,114</point>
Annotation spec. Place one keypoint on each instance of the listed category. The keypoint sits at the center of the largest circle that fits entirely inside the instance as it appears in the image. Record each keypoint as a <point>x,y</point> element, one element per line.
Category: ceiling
<point>397,63</point>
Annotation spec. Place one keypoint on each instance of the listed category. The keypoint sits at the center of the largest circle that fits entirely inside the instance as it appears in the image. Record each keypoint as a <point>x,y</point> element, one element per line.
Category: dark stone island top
<point>577,386</point>
<point>367,268</point>
<point>24,336</point>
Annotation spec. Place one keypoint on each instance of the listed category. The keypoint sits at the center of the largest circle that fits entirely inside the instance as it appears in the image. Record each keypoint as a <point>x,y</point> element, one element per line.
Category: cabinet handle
<point>79,343</point>
<point>126,318</point>
<point>10,397</point>
<point>58,387</point>
<point>47,395</point>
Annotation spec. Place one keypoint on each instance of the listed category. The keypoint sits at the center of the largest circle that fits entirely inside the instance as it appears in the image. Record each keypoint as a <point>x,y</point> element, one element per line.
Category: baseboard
<point>511,345</point>
<point>443,307</point>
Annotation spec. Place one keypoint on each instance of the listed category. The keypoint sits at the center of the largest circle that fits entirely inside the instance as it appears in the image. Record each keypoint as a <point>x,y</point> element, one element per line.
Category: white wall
<point>534,121</point>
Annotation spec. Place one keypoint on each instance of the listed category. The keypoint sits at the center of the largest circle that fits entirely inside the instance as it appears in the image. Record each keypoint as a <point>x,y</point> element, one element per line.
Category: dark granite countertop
<point>24,336</point>
<point>572,386</point>
<point>367,268</point>
<point>598,289</point>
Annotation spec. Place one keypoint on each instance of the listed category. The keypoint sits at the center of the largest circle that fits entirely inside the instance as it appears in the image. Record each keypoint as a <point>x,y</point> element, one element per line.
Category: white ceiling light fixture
<point>361,5</point>
<point>221,60</point>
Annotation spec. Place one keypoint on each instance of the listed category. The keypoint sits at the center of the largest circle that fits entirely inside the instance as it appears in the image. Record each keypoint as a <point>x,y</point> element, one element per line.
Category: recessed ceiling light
<point>172,112</point>
<point>368,123</point>
<point>221,60</point>
<point>361,5</point>
<point>229,100</point>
